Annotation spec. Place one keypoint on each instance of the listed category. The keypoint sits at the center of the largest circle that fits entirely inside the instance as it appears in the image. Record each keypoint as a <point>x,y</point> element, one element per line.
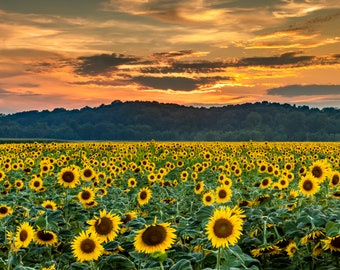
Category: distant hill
<point>140,121</point>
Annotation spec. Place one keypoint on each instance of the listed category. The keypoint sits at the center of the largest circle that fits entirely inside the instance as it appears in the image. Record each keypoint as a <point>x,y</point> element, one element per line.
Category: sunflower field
<point>170,205</point>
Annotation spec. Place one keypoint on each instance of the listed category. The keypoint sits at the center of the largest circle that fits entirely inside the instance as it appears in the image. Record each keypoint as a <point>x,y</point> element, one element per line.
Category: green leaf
<point>79,266</point>
<point>332,228</point>
<point>118,261</point>
<point>182,265</point>
<point>204,213</point>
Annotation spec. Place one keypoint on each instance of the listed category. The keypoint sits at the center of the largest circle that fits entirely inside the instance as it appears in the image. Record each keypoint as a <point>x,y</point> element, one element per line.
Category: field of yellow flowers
<point>170,205</point>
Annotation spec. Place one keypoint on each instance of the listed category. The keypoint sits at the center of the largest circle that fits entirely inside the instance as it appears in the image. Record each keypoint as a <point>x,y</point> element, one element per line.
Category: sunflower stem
<point>218,265</point>
<point>265,232</point>
<point>161,265</point>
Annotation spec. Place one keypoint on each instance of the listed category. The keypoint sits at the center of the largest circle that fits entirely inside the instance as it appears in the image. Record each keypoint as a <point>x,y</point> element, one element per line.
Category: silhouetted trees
<point>140,121</point>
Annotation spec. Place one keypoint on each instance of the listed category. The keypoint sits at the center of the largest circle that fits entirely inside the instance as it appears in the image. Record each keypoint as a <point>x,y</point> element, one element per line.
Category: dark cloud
<point>166,83</point>
<point>285,59</point>
<point>176,83</point>
<point>173,54</point>
<point>102,64</point>
<point>99,82</point>
<point>187,67</point>
<point>305,90</point>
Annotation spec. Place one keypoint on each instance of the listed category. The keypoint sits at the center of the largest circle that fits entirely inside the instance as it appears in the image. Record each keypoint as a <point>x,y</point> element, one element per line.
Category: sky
<point>76,53</point>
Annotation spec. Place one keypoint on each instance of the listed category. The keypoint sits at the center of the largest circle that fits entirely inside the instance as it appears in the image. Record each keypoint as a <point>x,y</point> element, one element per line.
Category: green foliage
<point>151,120</point>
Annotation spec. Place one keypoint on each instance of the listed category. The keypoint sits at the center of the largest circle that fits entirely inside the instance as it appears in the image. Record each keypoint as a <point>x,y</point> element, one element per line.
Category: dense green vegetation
<point>151,120</point>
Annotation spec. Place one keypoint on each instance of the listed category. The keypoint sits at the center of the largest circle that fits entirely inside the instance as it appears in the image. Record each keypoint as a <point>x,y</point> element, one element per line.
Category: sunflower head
<point>69,177</point>
<point>144,196</point>
<point>156,237</point>
<point>309,185</point>
<point>86,247</point>
<point>332,243</point>
<point>5,210</point>
<point>224,228</point>
<point>45,237</point>
<point>24,235</point>
<point>105,227</point>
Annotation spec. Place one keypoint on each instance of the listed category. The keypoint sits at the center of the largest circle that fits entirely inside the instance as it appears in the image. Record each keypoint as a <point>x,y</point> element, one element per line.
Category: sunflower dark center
<point>283,182</point>
<point>265,182</point>
<point>103,226</point>
<point>270,169</point>
<point>307,185</point>
<point>154,235</point>
<point>87,173</point>
<point>262,168</point>
<point>222,194</point>
<point>68,177</point>
<point>36,183</point>
<point>223,228</point>
<point>127,218</point>
<point>208,199</point>
<point>317,171</point>
<point>87,246</point>
<point>143,195</point>
<point>288,166</point>
<point>335,179</point>
<point>336,242</point>
<point>198,186</point>
<point>3,210</point>
<point>45,236</point>
<point>23,235</point>
<point>49,206</point>
<point>85,195</point>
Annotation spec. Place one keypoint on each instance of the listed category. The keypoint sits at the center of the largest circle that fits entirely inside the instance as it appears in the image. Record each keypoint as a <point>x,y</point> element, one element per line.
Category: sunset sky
<point>76,53</point>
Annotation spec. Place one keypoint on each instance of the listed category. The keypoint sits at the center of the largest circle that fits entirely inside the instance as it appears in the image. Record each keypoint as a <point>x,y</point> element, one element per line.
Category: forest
<point>143,121</point>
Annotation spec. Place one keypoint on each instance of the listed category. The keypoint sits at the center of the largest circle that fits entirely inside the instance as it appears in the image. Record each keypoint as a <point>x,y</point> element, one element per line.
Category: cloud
<point>305,90</point>
<point>29,85</point>
<point>167,83</point>
<point>102,64</point>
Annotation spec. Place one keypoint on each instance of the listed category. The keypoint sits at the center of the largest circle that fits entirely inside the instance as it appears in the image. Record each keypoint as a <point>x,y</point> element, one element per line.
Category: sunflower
<point>313,235</point>
<point>334,179</point>
<point>45,237</point>
<point>283,183</point>
<point>199,187</point>
<point>49,205</point>
<point>132,182</point>
<point>36,183</point>
<point>24,236</point>
<point>291,249</point>
<point>86,247</point>
<point>224,228</point>
<point>317,249</point>
<point>269,250</point>
<point>2,175</point>
<point>144,196</point>
<point>336,194</point>
<point>319,169</point>
<point>208,198</point>
<point>5,210</point>
<point>86,195</point>
<point>87,173</point>
<point>156,237</point>
<point>19,184</point>
<point>266,182</point>
<point>105,227</point>
<point>309,185</point>
<point>69,177</point>
<point>90,204</point>
<point>223,194</point>
<point>332,243</point>
<point>129,216</point>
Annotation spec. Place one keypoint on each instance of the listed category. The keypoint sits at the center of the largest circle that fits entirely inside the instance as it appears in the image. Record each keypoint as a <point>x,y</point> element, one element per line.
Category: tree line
<point>142,121</point>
